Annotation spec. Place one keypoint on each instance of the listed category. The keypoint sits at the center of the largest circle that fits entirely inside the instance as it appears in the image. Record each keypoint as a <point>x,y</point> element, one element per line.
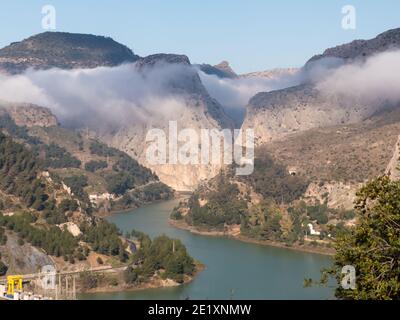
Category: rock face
<point>274,115</point>
<point>24,259</point>
<point>200,111</point>
<point>338,195</point>
<point>393,169</point>
<point>29,115</point>
<point>65,51</point>
<point>272,74</point>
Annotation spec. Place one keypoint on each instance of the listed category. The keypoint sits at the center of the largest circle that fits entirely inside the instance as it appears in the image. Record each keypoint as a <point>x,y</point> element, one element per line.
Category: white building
<point>313,232</point>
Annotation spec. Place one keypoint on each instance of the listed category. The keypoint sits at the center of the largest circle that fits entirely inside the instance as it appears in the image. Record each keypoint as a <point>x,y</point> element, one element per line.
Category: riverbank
<point>180,224</point>
<point>156,282</point>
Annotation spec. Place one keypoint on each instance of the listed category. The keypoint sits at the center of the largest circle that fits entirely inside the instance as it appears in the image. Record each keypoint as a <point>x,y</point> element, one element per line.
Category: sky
<point>252,35</point>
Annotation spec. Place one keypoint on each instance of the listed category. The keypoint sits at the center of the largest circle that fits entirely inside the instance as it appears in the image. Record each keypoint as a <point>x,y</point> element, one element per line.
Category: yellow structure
<point>14,282</point>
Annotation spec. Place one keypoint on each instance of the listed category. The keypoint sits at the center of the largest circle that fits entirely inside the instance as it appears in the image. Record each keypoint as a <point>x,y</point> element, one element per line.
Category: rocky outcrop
<point>272,74</point>
<point>200,111</point>
<point>336,195</point>
<point>393,169</point>
<point>65,51</point>
<point>274,115</point>
<point>221,70</point>
<point>362,49</point>
<point>29,115</point>
<point>23,259</point>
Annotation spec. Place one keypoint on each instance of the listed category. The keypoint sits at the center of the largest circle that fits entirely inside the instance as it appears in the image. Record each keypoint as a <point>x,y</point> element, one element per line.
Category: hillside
<point>176,84</point>
<point>48,223</point>
<point>314,151</point>
<point>106,173</point>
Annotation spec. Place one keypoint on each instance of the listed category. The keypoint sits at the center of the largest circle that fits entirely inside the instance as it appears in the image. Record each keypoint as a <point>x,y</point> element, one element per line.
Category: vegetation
<point>8,124</point>
<point>272,180</point>
<point>372,247</point>
<point>104,238</point>
<point>3,268</point>
<point>223,206</point>
<point>3,237</point>
<point>18,174</point>
<point>162,253</point>
<point>77,185</point>
<point>93,165</point>
<point>58,157</point>
<point>141,195</point>
<point>127,172</point>
<point>53,240</point>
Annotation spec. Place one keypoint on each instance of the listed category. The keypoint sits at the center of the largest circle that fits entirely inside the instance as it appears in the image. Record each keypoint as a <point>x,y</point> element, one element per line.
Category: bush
<point>130,275</point>
<point>92,166</point>
<point>3,269</point>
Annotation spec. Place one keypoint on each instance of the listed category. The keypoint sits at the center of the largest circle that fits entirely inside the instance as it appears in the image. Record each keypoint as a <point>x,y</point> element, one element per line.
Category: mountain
<point>362,49</point>
<point>46,218</point>
<point>277,114</point>
<point>271,74</point>
<point>221,70</point>
<point>199,111</point>
<point>111,179</point>
<point>179,83</point>
<point>314,151</point>
<point>65,51</point>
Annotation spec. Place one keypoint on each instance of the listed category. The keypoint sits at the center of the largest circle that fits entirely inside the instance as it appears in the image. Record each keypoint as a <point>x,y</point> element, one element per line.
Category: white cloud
<point>99,97</point>
<point>234,94</point>
<point>374,81</point>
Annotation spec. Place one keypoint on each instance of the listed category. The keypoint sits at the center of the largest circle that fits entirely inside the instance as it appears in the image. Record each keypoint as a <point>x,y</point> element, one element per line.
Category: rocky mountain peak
<point>362,49</point>
<point>162,58</point>
<point>225,67</point>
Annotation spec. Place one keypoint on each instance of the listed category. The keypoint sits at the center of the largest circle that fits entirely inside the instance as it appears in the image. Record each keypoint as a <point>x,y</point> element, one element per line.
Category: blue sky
<point>251,34</point>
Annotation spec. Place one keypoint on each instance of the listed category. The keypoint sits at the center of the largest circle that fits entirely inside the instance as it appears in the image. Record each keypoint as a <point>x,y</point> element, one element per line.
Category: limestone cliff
<point>29,115</point>
<point>393,169</point>
<point>274,115</point>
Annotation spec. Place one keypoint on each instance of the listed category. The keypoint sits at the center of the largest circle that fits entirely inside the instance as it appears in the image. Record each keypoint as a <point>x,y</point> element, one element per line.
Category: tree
<point>130,275</point>
<point>3,269</point>
<point>373,245</point>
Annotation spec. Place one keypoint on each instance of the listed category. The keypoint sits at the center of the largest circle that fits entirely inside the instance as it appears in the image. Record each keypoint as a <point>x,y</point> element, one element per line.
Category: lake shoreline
<point>184,226</point>
<point>155,283</point>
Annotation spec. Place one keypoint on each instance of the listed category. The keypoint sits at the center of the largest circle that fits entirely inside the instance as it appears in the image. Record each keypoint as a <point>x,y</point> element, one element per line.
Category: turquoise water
<point>234,270</point>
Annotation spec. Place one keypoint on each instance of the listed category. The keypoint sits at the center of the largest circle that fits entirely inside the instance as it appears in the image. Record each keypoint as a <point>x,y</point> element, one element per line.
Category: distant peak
<point>64,50</point>
<point>224,66</point>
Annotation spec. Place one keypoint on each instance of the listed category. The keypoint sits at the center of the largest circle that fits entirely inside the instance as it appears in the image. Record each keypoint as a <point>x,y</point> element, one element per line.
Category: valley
<point>77,188</point>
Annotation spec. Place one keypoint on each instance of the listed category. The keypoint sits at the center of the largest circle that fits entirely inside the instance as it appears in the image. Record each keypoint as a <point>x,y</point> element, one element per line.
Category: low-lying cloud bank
<point>123,95</point>
<point>234,94</point>
<point>99,97</point>
<point>376,81</point>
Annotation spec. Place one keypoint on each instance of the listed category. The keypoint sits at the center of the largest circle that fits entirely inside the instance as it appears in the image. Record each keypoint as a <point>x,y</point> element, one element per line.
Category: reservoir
<point>234,269</point>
